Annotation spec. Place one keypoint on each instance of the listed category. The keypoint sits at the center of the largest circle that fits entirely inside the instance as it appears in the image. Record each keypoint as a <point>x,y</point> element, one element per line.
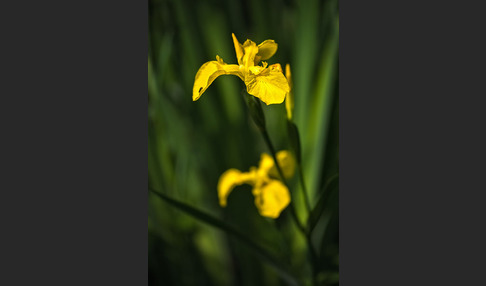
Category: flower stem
<point>294,140</point>
<point>258,117</point>
<point>272,150</point>
<point>307,234</point>
<point>304,189</point>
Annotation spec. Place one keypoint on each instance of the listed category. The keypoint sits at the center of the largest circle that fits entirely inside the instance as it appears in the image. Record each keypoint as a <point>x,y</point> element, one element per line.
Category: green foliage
<point>192,240</point>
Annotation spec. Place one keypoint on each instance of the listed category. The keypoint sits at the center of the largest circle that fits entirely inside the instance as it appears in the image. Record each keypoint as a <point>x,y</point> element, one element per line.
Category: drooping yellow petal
<point>286,161</point>
<point>208,72</point>
<point>227,181</point>
<point>266,50</point>
<point>238,49</point>
<point>289,99</point>
<point>273,199</point>
<point>230,179</point>
<point>270,85</point>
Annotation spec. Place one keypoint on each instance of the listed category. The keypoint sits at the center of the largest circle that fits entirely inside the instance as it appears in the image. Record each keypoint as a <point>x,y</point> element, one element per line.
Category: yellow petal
<point>286,161</point>
<point>288,75</point>
<point>238,49</point>
<point>266,164</point>
<point>229,180</point>
<point>208,72</point>
<point>256,70</point>
<point>250,51</point>
<point>269,85</point>
<point>266,50</point>
<point>289,99</point>
<point>276,67</point>
<point>273,199</point>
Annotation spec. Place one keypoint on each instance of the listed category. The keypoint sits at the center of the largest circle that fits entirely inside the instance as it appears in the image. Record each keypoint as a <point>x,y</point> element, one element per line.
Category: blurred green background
<point>190,144</point>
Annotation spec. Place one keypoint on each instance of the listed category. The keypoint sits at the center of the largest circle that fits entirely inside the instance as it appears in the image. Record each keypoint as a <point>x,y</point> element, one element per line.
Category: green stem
<point>291,205</point>
<point>304,189</point>
<point>313,258</point>
<point>307,235</point>
<point>258,117</point>
<point>294,139</point>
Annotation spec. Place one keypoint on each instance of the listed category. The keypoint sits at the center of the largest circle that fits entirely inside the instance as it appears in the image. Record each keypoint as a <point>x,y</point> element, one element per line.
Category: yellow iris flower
<point>265,82</point>
<point>271,195</point>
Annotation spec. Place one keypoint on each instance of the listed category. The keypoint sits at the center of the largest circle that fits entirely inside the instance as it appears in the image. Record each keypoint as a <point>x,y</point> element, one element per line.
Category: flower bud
<point>256,111</point>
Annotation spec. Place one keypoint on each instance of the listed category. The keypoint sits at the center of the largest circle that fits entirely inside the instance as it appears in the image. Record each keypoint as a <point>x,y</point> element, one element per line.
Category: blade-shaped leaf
<point>195,213</point>
<point>330,188</point>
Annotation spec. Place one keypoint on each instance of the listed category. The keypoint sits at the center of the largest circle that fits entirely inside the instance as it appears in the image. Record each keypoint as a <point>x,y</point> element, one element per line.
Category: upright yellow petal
<point>286,161</point>
<point>208,72</point>
<point>269,85</point>
<point>266,50</point>
<point>238,49</point>
<point>250,51</point>
<point>266,164</point>
<point>230,179</point>
<point>263,51</point>
<point>273,199</point>
<point>289,99</point>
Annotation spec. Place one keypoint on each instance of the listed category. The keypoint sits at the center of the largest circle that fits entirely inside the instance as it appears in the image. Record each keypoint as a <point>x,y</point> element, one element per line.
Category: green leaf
<point>281,269</point>
<point>330,188</point>
<point>294,140</point>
